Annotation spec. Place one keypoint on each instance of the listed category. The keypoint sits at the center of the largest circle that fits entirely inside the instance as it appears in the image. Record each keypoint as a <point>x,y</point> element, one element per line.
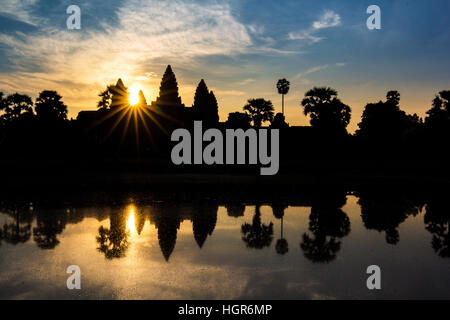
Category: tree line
<point>28,125</point>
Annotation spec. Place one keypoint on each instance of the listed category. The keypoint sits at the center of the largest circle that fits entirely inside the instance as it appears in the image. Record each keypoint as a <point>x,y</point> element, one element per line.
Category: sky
<point>240,47</point>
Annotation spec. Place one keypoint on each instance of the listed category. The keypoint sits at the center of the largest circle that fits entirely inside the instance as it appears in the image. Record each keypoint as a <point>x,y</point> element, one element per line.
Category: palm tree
<point>326,111</point>
<point>106,98</point>
<point>283,88</point>
<point>260,111</point>
<point>282,246</point>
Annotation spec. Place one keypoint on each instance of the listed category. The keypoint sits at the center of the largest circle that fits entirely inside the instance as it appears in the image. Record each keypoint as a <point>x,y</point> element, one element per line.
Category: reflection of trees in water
<point>437,222</point>
<point>235,210</point>
<point>18,231</point>
<point>381,210</point>
<point>257,235</point>
<point>385,210</point>
<point>113,242</point>
<point>282,246</point>
<point>49,224</point>
<point>327,223</point>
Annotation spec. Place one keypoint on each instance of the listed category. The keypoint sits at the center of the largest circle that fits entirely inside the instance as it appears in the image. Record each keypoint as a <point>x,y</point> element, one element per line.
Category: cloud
<point>302,75</point>
<point>304,35</point>
<point>19,10</point>
<point>175,31</point>
<point>327,20</point>
<point>269,50</point>
<point>245,82</point>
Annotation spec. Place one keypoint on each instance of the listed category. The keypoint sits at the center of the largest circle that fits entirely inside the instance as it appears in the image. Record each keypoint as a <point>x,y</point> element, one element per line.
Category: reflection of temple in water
<point>167,219</point>
<point>329,224</point>
<point>112,239</point>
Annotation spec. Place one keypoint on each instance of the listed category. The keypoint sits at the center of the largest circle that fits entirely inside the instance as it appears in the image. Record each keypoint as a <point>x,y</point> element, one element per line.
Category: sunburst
<point>128,109</point>
<point>134,96</point>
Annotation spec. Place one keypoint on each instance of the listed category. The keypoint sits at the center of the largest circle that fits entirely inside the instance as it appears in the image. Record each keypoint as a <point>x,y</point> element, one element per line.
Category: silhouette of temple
<point>146,128</point>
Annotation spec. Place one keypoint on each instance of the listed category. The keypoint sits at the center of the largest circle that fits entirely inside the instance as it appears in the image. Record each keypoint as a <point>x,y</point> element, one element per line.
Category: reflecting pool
<point>313,245</point>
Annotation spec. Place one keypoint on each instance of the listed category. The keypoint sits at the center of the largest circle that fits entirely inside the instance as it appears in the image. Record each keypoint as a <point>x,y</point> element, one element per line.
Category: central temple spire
<point>168,91</point>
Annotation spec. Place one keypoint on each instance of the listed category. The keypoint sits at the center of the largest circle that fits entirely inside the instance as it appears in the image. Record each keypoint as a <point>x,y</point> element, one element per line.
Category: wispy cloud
<point>304,35</point>
<point>246,82</point>
<point>302,75</point>
<point>19,10</point>
<point>309,71</point>
<point>327,20</point>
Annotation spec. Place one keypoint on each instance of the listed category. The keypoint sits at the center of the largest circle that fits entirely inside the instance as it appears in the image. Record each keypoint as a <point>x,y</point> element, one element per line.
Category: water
<point>313,246</point>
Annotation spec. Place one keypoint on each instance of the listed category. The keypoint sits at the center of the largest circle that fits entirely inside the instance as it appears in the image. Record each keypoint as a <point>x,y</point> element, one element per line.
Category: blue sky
<point>240,47</point>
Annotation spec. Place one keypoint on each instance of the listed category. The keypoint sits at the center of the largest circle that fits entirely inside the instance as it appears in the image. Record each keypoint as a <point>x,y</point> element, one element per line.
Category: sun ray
<point>136,127</point>
<point>124,111</point>
<point>147,129</point>
<point>156,122</point>
<point>127,124</point>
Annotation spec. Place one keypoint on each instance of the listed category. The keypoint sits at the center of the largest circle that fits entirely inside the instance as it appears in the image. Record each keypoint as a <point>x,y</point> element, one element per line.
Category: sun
<point>134,96</point>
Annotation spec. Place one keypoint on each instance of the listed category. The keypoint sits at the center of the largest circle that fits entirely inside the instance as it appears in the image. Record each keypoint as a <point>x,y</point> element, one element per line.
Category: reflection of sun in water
<point>131,222</point>
<point>134,96</point>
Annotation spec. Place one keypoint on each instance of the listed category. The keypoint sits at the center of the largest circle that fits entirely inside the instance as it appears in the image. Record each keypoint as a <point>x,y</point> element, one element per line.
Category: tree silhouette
<point>283,88</point>
<point>260,110</point>
<point>49,107</point>
<point>113,242</point>
<point>16,106</point>
<point>257,235</point>
<point>279,122</point>
<point>385,122</point>
<point>438,117</point>
<point>326,111</point>
<point>393,97</point>
<point>106,98</point>
<point>205,106</point>
<point>437,222</point>
<point>48,225</point>
<point>20,230</point>
<point>384,210</point>
<point>235,210</point>
<point>238,120</point>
